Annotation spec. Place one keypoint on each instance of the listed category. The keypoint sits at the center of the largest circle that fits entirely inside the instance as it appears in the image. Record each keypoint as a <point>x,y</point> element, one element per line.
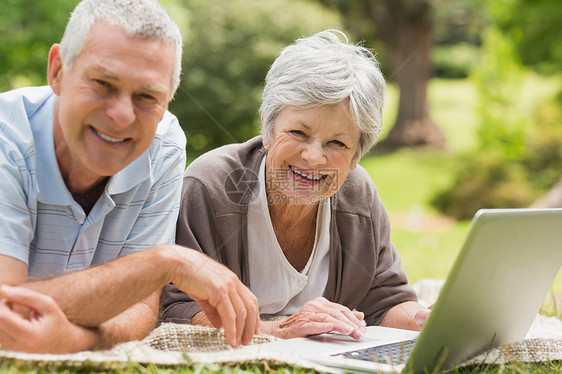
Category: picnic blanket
<point>180,345</point>
<point>169,345</point>
<point>175,345</point>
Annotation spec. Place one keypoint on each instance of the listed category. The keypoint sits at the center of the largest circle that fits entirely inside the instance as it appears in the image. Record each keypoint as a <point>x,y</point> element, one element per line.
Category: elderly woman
<point>292,213</point>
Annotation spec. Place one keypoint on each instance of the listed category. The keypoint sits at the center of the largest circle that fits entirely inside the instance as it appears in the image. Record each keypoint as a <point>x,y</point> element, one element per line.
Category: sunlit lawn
<point>408,179</point>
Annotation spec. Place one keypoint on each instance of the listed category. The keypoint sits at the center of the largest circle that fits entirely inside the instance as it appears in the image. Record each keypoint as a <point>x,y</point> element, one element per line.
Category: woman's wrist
<point>270,328</point>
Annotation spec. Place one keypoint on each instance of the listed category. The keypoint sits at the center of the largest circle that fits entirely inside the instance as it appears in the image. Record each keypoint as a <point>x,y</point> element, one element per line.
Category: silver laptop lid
<point>495,288</point>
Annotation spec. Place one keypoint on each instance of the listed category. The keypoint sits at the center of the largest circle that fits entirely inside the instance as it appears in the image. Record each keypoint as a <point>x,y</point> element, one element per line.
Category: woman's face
<point>310,153</point>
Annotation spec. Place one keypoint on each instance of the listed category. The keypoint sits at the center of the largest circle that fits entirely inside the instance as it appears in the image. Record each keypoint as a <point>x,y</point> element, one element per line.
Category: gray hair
<point>144,18</point>
<point>326,68</point>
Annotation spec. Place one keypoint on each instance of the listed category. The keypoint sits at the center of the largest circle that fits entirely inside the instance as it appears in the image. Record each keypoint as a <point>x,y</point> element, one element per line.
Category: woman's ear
<point>265,143</point>
<point>54,69</point>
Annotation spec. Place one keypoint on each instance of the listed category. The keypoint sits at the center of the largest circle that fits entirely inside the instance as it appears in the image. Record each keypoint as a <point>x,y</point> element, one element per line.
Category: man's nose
<point>122,111</point>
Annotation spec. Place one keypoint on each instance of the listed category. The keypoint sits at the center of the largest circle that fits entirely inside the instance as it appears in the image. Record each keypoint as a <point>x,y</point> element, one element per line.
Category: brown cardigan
<point>365,268</point>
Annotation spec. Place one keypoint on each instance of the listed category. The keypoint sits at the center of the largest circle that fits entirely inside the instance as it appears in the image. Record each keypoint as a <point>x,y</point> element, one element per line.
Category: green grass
<point>135,368</point>
<point>408,179</point>
<point>256,368</point>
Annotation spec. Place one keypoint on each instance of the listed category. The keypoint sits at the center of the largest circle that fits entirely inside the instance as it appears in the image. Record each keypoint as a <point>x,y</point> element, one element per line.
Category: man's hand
<point>226,301</point>
<point>45,329</point>
<point>320,316</point>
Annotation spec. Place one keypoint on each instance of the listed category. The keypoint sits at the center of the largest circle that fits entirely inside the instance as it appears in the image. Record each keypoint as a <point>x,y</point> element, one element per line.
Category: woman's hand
<point>408,315</point>
<point>44,328</point>
<point>422,315</point>
<point>320,316</point>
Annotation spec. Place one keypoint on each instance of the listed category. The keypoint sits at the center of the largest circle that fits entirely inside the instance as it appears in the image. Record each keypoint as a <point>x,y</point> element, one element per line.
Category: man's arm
<point>45,328</point>
<point>12,271</point>
<point>134,323</point>
<point>109,289</point>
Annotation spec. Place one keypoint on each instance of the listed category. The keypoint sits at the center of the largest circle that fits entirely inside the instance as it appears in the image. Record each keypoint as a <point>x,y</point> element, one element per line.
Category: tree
<point>534,28</point>
<point>552,199</point>
<point>520,154</point>
<point>405,28</point>
<point>228,48</point>
<point>28,28</point>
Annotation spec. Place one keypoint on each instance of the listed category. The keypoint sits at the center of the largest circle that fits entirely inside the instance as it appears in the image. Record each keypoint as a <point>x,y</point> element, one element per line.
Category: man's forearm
<point>133,324</point>
<point>97,294</point>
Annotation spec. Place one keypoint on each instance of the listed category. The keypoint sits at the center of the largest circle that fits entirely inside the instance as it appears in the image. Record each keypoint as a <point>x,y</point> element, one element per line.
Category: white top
<point>278,286</point>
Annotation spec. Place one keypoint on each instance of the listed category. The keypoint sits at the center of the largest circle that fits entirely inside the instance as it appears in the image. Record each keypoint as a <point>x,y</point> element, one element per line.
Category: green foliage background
<point>229,46</point>
<point>27,30</point>
<point>518,155</point>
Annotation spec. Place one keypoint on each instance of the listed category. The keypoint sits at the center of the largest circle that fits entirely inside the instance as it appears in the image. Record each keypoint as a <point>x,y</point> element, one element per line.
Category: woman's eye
<point>297,132</point>
<point>339,144</point>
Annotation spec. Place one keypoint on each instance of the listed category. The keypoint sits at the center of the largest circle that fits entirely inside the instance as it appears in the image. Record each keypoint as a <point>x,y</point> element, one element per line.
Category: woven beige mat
<point>186,338</point>
<point>168,345</point>
<point>529,350</point>
<point>190,346</point>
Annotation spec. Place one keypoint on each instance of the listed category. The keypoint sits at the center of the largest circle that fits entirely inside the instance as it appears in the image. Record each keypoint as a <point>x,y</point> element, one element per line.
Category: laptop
<point>493,293</point>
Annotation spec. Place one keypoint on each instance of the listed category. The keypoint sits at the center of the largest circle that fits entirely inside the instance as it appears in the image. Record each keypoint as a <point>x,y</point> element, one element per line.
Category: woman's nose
<point>313,154</point>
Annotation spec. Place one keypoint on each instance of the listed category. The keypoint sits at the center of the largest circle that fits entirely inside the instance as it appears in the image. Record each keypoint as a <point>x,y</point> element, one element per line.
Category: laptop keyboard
<point>393,353</point>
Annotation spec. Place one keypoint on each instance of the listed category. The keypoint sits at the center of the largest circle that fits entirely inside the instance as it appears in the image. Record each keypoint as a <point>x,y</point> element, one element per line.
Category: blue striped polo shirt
<point>42,225</point>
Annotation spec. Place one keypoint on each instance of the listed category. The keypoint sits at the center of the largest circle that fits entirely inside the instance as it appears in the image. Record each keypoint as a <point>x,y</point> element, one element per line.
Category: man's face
<point>110,103</point>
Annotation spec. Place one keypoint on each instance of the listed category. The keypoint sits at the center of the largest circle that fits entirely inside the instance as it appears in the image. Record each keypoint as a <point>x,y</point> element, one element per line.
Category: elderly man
<point>90,174</point>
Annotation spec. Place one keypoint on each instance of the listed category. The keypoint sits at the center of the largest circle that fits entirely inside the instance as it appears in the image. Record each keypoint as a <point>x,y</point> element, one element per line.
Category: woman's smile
<point>307,176</point>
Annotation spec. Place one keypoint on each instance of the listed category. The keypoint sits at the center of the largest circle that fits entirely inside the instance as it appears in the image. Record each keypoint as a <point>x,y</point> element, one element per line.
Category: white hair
<point>326,68</point>
<point>144,18</point>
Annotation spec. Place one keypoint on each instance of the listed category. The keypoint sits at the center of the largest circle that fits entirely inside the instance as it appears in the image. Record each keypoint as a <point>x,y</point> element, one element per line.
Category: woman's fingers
<point>320,316</point>
<point>343,314</point>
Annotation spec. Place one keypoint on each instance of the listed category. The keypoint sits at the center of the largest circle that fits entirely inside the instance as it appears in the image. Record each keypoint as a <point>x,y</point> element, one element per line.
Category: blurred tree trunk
<point>552,199</point>
<point>406,30</point>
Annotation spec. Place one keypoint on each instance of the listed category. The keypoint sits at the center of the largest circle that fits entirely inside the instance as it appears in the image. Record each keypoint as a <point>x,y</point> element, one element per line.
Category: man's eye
<point>297,132</point>
<point>102,83</point>
<point>147,97</point>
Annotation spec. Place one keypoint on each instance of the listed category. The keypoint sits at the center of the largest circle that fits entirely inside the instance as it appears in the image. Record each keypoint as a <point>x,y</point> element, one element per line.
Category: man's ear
<point>54,69</point>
